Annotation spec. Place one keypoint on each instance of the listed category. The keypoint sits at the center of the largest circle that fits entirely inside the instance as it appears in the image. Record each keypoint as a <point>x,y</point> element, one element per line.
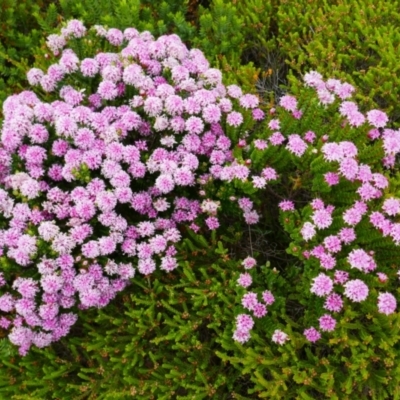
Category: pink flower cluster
<point>387,303</point>
<point>321,217</point>
<point>327,91</point>
<point>97,191</point>
<point>251,303</point>
<point>96,183</point>
<point>251,217</point>
<point>279,337</point>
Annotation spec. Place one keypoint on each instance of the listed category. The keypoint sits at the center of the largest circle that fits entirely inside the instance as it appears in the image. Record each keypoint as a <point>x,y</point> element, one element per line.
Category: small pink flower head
<point>353,215</point>
<point>242,143</point>
<point>107,90</point>
<point>212,223</point>
<point>327,261</point>
<point>258,114</point>
<point>308,231</point>
<point>331,178</point>
<point>312,335</point>
<point>310,136</point>
<point>391,206</point>
<point>344,90</point>
<point>332,244</point>
<point>383,278</point>
<point>245,280</point>
<point>389,161</point>
<point>146,266</point>
<point>349,168</point>
<point>245,204</point>
<point>279,337</point>
<point>259,310</point>
<point>349,149</point>
<point>333,302</point>
<point>368,192</point>
<point>115,36</point>
<point>347,235</point>
<point>234,118</point>
<point>249,262</point>
<point>165,183</point>
<point>259,182</point>
<point>317,204</point>
<point>377,118</point>
<point>322,285</point>
<point>74,28</point>
<point>313,79</point>
<point>306,254</point>
<point>286,205</point>
<point>249,300</point>
<point>296,145</point>
<point>289,103</point>
<point>244,322</point>
<point>356,290</point>
<point>318,251</point>
<point>27,287</point>
<point>34,76</point>
<point>260,144</point>
<point>4,323</point>
<point>274,124</point>
<point>374,134</point>
<point>194,125</point>
<point>269,174</point>
<point>268,297</point>
<point>234,91</point>
<point>241,336</point>
<point>249,101</point>
<point>297,114</point>
<point>332,152</point>
<point>327,323</point>
<point>51,283</point>
<point>364,173</point>
<point>356,119</point>
<point>322,218</point>
<point>380,181</point>
<point>55,43</point>
<point>276,138</point>
<point>386,303</point>
<point>360,260</point>
<point>7,302</point>
<point>251,217</point>
<point>325,96</point>
<point>341,277</point>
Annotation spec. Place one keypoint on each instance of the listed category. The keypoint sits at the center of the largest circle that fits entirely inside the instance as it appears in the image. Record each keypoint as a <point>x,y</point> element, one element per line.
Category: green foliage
<point>158,340</point>
<point>20,35</point>
<point>220,24</point>
<point>358,359</point>
<point>355,41</point>
<point>352,364</point>
<point>159,18</point>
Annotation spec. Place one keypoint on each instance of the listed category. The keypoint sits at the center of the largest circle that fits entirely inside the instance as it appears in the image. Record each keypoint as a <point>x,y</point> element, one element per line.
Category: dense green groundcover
<point>170,337</point>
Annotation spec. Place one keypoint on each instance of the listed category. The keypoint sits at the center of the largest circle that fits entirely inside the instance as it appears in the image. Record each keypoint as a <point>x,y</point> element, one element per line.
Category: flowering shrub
<point>118,159</point>
<point>103,166</point>
<point>335,190</point>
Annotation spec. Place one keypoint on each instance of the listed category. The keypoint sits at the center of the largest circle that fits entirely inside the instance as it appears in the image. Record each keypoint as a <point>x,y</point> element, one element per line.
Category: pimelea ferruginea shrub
<point>102,164</point>
<point>115,160</point>
<point>336,193</point>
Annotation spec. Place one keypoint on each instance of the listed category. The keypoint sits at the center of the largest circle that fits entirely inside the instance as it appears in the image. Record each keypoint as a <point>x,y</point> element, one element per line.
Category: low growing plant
<point>130,154</point>
<point>104,169</point>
